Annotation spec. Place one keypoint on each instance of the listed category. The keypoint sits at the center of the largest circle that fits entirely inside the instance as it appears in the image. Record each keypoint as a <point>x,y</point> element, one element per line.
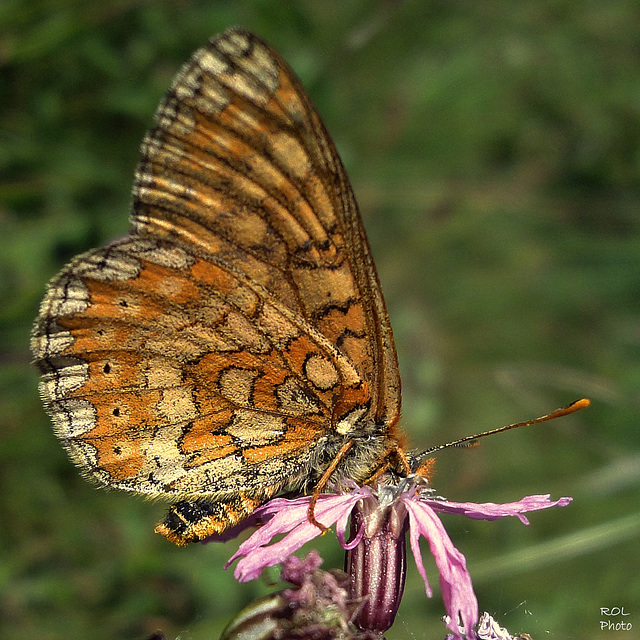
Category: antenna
<point>470,441</point>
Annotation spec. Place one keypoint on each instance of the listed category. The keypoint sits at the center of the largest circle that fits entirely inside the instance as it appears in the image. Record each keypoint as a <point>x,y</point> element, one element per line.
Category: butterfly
<point>235,343</point>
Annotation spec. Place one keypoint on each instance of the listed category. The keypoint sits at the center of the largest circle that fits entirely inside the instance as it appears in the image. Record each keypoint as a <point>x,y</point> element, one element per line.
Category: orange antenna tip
<point>583,403</point>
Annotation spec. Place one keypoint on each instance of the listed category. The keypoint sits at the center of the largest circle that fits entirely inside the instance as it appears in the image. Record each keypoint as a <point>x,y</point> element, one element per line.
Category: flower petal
<point>291,518</point>
<point>455,581</point>
<point>493,511</point>
<point>341,529</point>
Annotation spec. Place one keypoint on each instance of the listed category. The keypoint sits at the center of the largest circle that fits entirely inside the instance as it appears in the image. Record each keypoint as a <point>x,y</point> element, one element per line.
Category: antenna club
<point>583,403</point>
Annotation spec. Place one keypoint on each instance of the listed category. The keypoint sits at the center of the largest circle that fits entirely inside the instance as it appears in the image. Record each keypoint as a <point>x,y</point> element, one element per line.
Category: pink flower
<point>376,551</point>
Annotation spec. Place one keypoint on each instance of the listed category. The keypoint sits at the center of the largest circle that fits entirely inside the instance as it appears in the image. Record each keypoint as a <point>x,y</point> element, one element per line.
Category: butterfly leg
<point>322,483</point>
<point>396,459</point>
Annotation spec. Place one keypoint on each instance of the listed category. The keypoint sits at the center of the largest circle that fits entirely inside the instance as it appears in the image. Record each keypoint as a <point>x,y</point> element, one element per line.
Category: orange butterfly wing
<point>238,337</point>
<point>240,166</point>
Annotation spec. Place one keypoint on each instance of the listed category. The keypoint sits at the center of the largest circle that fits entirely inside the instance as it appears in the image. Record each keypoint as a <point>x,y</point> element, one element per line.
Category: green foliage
<point>494,148</point>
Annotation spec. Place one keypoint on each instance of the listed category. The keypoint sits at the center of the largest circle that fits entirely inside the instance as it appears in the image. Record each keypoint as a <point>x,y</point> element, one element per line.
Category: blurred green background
<point>495,150</point>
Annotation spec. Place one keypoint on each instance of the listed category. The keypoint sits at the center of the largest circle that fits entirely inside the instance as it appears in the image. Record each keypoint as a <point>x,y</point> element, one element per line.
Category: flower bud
<point>377,564</point>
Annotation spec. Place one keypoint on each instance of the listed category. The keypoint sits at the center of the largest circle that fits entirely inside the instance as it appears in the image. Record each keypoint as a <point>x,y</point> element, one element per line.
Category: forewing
<point>240,166</point>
